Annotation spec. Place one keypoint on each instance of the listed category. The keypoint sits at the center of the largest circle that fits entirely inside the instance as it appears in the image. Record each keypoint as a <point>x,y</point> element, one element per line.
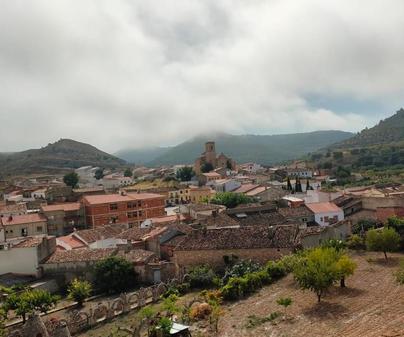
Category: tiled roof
<point>220,220</point>
<point>211,174</point>
<point>295,211</point>
<point>13,208</point>
<point>79,255</point>
<point>32,241</point>
<point>111,198</point>
<point>134,233</point>
<point>69,241</point>
<point>137,255</point>
<point>166,219</point>
<point>240,238</point>
<point>245,188</point>
<point>102,232</point>
<point>203,207</point>
<point>256,191</point>
<point>22,219</point>
<point>323,207</point>
<point>260,219</point>
<point>66,207</point>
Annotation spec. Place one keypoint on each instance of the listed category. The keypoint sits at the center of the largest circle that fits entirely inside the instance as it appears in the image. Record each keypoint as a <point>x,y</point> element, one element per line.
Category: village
<point>168,221</point>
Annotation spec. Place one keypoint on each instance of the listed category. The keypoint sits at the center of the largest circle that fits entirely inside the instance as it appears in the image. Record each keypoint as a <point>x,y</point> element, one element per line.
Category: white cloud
<point>132,73</point>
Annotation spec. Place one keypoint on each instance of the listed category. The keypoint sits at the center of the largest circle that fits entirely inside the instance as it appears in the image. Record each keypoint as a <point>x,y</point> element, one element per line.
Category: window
<point>139,203</point>
<point>140,213</point>
<point>130,205</point>
<point>39,229</point>
<point>113,207</point>
<point>24,232</point>
<point>113,219</point>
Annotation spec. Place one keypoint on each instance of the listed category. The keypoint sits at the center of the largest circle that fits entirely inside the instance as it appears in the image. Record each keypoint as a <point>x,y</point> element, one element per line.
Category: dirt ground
<point>372,305</point>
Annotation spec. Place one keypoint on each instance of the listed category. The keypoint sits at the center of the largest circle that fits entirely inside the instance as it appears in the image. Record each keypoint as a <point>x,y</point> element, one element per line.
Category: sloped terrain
<point>371,306</point>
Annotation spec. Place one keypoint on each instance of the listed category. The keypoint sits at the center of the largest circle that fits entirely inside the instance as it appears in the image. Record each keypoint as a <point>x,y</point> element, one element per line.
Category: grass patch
<point>255,321</point>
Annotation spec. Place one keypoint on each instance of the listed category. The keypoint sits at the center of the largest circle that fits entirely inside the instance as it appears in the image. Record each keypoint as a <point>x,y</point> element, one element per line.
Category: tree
<point>99,174</point>
<point>71,179</point>
<point>128,173</point>
<point>114,274</point>
<point>289,185</point>
<point>317,270</point>
<point>79,291</point>
<point>29,301</point>
<point>345,267</point>
<point>385,240</point>
<point>185,173</point>
<point>206,167</point>
<point>231,200</point>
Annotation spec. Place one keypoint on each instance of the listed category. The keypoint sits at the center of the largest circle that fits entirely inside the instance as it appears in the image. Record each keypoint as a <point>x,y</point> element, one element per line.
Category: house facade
<point>24,225</point>
<point>64,218</point>
<point>130,208</point>
<point>326,213</point>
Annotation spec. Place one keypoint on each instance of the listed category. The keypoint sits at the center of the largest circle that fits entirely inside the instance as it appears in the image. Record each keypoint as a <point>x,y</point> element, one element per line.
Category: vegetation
<point>345,267</point>
<point>206,167</point>
<point>71,179</point>
<point>185,173</point>
<point>230,199</point>
<point>202,277</point>
<point>285,302</point>
<point>128,172</point>
<point>114,275</point>
<point>79,291</point>
<point>363,225</point>
<point>399,274</point>
<point>255,321</point>
<point>385,240</point>
<point>99,174</point>
<point>29,301</point>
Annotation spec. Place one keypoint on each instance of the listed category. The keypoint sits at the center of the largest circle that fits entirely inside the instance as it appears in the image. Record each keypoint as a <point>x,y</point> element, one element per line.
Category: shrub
<point>264,277</point>
<point>288,262</point>
<point>356,242</point>
<point>240,269</point>
<point>253,282</point>
<point>202,277</point>
<point>79,291</point>
<point>234,289</point>
<point>114,274</point>
<point>200,311</point>
<point>363,225</point>
<point>275,270</point>
<point>399,274</point>
<point>385,240</point>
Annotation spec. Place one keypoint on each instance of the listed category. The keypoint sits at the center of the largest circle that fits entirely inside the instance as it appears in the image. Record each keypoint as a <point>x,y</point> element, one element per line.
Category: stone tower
<point>210,153</point>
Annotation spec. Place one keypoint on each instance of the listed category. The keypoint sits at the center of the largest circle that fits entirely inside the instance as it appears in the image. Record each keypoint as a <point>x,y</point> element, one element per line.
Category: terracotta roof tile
<point>249,237</point>
<point>66,207</point>
<point>323,207</point>
<point>22,219</point>
<point>102,232</point>
<point>79,255</point>
<point>111,198</point>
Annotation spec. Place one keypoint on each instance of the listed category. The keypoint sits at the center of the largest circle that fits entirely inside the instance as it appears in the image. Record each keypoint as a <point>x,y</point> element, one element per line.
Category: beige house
<point>24,225</point>
<point>200,194</point>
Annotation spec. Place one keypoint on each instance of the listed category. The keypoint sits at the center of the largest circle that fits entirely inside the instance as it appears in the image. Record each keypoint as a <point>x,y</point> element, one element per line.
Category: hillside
<point>141,156</point>
<point>389,130</point>
<point>65,153</point>
<point>244,148</point>
<point>380,146</point>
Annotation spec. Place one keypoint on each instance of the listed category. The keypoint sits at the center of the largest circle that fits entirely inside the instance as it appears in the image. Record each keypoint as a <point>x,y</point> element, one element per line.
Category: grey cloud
<point>134,73</point>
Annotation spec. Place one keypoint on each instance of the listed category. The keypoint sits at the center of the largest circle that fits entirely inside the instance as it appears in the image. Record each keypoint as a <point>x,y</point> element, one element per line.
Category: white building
<point>326,213</point>
<point>252,168</point>
<point>224,185</point>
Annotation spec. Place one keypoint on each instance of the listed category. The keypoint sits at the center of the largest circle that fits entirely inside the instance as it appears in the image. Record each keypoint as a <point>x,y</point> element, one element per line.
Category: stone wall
<point>214,258</point>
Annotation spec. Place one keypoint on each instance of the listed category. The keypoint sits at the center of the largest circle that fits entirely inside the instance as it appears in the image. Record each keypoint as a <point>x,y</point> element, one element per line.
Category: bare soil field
<point>372,305</point>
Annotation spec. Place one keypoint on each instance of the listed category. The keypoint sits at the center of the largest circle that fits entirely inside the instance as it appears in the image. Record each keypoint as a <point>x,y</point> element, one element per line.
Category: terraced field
<point>372,305</point>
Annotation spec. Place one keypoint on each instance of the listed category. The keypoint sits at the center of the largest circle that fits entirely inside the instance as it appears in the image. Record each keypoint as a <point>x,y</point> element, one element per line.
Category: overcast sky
<point>121,74</point>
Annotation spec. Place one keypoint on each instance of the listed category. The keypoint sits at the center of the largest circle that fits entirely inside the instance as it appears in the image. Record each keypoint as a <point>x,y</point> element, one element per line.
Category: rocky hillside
<point>63,154</point>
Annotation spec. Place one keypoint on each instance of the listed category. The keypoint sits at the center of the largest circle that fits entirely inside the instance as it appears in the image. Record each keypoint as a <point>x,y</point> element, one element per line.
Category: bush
<point>363,225</point>
<point>399,274</point>
<point>288,262</point>
<point>253,282</point>
<point>200,311</point>
<point>275,270</point>
<point>385,240</point>
<point>79,291</point>
<point>264,277</point>
<point>114,274</point>
<point>235,288</point>
<point>202,277</point>
<point>240,269</point>
<point>356,242</point>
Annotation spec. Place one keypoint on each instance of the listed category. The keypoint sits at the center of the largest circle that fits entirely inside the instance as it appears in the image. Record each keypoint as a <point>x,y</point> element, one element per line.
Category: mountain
<point>389,130</point>
<point>380,146</point>
<point>63,154</point>
<point>244,148</point>
<point>141,156</point>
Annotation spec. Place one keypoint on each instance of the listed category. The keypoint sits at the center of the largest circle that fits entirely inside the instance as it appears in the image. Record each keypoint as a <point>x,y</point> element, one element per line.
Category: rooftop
<point>245,188</point>
<point>66,207</point>
<point>248,237</point>
<point>100,233</point>
<point>79,255</point>
<point>110,198</point>
<point>22,219</point>
<point>323,207</point>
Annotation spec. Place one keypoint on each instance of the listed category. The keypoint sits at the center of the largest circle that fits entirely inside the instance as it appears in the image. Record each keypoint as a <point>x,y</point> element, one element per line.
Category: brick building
<point>131,208</point>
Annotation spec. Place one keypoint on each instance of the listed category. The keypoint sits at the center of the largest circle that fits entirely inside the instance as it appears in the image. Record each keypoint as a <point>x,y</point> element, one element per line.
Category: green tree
<point>128,173</point>
<point>385,240</point>
<point>201,276</point>
<point>99,174</point>
<point>185,173</point>
<point>79,290</point>
<point>71,179</point>
<point>114,274</point>
<point>289,185</point>
<point>170,305</point>
<point>230,199</point>
<point>29,301</point>
<point>345,267</point>
<point>206,167</point>
<point>317,270</point>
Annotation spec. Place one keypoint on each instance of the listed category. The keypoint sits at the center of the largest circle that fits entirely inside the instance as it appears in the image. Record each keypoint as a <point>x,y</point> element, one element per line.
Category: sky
<point>129,74</point>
